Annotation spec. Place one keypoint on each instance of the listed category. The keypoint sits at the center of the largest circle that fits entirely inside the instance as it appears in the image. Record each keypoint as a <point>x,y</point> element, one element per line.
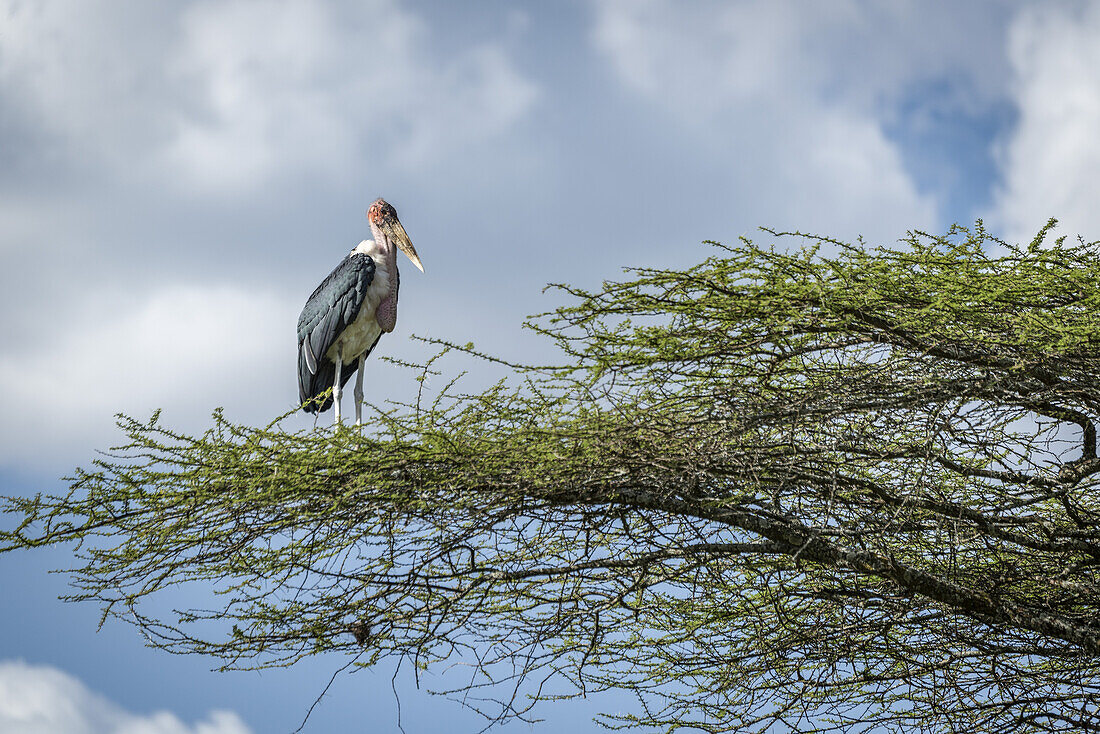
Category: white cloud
<point>841,171</point>
<point>1049,165</point>
<point>37,699</point>
<point>797,96</point>
<point>277,85</point>
<point>184,348</point>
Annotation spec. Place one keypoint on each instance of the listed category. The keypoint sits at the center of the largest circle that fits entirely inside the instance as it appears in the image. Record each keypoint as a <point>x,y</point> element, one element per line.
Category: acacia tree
<point>779,488</point>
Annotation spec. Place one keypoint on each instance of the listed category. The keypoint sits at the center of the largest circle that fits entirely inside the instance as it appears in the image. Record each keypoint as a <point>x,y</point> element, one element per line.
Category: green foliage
<point>777,489</point>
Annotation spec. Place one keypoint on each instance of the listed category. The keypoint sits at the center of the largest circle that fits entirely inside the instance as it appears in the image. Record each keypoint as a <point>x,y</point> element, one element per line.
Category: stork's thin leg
<point>359,392</point>
<point>337,390</point>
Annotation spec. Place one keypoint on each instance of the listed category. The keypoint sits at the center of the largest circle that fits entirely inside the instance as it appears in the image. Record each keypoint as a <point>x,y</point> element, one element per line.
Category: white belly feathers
<point>362,333</point>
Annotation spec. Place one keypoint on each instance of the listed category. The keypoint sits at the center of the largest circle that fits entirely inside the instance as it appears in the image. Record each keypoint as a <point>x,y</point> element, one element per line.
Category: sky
<point>176,178</point>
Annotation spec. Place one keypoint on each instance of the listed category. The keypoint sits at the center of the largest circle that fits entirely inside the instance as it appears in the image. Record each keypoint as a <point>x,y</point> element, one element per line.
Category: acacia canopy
<point>835,488</point>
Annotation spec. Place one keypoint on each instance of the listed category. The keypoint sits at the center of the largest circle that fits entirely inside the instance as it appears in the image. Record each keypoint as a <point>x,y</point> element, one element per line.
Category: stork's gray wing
<point>330,310</point>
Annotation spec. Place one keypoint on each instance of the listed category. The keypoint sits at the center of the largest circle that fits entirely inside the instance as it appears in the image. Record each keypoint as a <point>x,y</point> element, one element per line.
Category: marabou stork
<point>349,311</point>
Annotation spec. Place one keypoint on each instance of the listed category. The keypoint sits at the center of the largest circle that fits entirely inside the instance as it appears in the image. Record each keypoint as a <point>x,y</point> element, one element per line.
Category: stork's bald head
<point>381,212</point>
<point>383,217</point>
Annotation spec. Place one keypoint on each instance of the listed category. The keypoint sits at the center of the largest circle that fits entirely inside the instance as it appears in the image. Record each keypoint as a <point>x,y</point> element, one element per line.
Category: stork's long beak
<point>401,237</point>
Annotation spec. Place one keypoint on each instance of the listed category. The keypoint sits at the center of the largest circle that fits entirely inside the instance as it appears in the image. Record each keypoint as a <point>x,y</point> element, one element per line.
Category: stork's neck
<point>384,247</point>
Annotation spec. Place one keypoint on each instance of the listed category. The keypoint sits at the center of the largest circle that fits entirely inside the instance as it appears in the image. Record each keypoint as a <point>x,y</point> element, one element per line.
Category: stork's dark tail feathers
<point>313,385</point>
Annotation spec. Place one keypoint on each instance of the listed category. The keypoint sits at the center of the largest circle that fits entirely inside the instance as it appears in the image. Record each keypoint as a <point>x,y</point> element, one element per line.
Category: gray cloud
<point>225,97</point>
<point>186,174</point>
<point>37,699</point>
<point>194,169</point>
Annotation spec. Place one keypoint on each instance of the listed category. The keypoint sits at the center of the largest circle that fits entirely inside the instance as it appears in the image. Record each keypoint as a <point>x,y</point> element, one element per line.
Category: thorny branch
<point>779,489</point>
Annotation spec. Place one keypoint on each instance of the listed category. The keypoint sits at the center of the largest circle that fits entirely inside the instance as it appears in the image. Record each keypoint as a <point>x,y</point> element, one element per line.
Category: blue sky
<point>176,178</point>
